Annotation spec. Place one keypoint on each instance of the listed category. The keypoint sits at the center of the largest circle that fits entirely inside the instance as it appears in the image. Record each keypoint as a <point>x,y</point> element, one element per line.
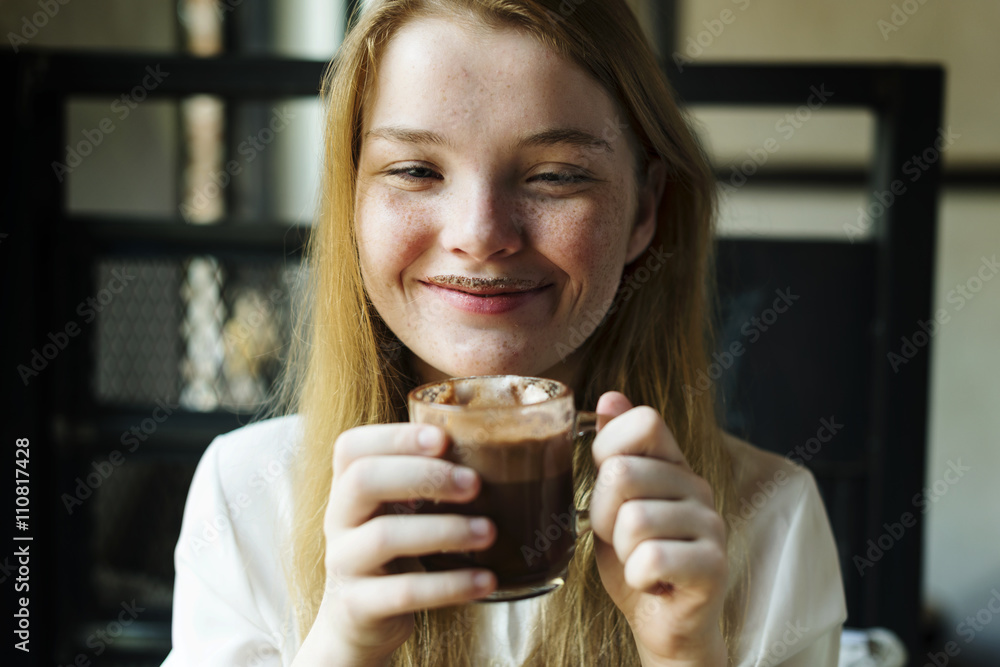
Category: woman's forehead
<point>447,77</point>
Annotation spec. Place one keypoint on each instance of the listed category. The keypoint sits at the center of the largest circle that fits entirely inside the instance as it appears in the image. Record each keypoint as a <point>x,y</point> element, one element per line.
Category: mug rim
<point>564,392</point>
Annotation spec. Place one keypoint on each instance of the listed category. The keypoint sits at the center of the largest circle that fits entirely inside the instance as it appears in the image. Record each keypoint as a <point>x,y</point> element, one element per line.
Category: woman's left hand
<point>660,544</point>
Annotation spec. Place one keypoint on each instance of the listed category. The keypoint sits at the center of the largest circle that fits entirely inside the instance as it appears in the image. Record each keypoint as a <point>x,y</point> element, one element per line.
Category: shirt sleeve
<point>216,619</point>
<point>796,597</point>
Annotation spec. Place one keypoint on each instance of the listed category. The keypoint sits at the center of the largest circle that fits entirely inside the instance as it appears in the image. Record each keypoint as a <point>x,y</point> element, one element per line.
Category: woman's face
<point>497,201</point>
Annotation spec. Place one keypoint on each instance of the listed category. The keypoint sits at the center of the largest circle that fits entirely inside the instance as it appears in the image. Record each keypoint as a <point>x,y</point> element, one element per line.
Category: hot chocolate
<point>533,513</point>
<point>517,433</point>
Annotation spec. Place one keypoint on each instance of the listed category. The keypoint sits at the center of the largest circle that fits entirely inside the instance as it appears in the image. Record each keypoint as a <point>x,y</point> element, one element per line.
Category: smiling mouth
<point>485,287</point>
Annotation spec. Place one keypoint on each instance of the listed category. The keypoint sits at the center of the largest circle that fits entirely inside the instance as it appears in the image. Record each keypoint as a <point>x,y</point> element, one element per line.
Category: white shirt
<point>230,597</point>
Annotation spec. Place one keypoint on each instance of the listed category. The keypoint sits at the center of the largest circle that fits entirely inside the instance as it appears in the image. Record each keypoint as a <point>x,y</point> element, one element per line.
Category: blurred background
<point>189,346</point>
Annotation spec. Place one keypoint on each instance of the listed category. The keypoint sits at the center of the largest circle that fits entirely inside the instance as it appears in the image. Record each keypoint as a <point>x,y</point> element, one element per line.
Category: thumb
<point>610,405</point>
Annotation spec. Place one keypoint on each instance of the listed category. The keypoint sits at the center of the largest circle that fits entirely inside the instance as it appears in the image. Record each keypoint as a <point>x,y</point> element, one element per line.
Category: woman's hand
<point>374,583</point>
<point>660,544</point>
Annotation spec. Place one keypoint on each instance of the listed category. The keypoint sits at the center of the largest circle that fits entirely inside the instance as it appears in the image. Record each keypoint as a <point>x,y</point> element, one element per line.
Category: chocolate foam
<point>506,431</point>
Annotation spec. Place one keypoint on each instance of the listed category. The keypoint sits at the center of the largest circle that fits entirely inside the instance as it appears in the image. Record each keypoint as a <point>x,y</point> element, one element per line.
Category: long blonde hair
<point>345,370</point>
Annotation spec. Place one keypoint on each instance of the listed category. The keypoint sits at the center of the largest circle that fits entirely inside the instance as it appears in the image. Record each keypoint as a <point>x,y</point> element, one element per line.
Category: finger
<point>371,599</point>
<point>384,439</point>
<point>386,538</point>
<point>358,493</point>
<point>610,405</point>
<point>684,520</point>
<point>658,565</point>
<point>624,478</point>
<point>639,432</point>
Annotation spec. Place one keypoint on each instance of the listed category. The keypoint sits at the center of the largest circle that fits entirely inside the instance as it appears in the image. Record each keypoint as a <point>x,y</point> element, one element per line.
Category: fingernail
<point>428,439</point>
<point>482,580</point>
<point>464,477</point>
<point>479,527</point>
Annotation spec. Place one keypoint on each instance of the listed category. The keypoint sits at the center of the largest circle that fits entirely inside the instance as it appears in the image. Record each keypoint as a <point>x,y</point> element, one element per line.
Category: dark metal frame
<point>664,27</point>
<point>907,105</point>
<point>44,240</point>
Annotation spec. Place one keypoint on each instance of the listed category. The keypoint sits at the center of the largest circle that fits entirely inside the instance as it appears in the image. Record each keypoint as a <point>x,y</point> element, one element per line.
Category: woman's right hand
<point>374,583</point>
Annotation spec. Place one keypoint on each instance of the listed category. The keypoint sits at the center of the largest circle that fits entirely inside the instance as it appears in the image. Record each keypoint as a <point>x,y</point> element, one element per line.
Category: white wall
<point>305,29</point>
<point>962,543</point>
<point>959,33</point>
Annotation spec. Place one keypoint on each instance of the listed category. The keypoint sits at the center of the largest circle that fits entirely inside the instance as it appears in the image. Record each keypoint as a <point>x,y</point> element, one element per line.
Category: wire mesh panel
<point>200,332</point>
<point>137,346</point>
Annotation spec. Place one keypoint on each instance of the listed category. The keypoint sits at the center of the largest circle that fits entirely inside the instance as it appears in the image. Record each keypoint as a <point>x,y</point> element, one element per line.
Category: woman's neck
<point>566,371</point>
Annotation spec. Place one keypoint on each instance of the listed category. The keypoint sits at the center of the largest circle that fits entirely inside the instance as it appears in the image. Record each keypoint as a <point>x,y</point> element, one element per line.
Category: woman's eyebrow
<point>551,137</point>
<point>571,136</point>
<point>407,135</point>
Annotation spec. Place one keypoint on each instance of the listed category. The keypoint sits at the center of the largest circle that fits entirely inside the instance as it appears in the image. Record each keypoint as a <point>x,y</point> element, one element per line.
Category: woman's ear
<point>647,213</point>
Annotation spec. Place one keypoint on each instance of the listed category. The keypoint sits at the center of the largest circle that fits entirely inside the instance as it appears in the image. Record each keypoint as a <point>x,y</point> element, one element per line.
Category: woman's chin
<point>562,370</point>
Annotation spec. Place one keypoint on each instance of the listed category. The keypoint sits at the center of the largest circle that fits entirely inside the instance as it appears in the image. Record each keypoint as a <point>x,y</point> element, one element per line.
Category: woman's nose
<point>483,224</point>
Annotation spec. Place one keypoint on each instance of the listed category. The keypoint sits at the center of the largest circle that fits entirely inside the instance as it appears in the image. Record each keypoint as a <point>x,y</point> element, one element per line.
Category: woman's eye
<point>560,178</point>
<point>414,174</point>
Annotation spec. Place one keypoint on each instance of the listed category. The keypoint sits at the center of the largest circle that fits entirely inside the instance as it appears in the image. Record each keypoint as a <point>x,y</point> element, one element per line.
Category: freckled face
<point>497,201</point>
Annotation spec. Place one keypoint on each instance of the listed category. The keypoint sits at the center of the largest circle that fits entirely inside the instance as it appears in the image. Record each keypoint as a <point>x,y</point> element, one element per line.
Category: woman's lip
<point>482,291</point>
<point>487,301</point>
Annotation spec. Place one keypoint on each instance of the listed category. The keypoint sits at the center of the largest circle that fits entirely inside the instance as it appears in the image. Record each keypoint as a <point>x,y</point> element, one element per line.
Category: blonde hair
<point>344,369</point>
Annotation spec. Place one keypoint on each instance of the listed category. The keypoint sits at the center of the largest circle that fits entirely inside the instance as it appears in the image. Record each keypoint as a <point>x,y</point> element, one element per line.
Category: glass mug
<point>518,434</point>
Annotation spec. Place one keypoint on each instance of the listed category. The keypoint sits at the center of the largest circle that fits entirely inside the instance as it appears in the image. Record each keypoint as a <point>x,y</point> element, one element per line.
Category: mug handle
<point>583,423</point>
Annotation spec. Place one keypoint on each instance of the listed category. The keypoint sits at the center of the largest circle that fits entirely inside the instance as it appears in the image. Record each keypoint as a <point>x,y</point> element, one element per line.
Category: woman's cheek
<point>596,248</point>
<point>392,230</point>
<point>574,228</point>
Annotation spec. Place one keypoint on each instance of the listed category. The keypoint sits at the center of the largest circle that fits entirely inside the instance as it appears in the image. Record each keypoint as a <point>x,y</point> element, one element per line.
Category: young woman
<point>510,188</point>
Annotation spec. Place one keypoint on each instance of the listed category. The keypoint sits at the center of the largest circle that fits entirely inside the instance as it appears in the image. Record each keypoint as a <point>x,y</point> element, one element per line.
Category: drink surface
<point>502,391</point>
